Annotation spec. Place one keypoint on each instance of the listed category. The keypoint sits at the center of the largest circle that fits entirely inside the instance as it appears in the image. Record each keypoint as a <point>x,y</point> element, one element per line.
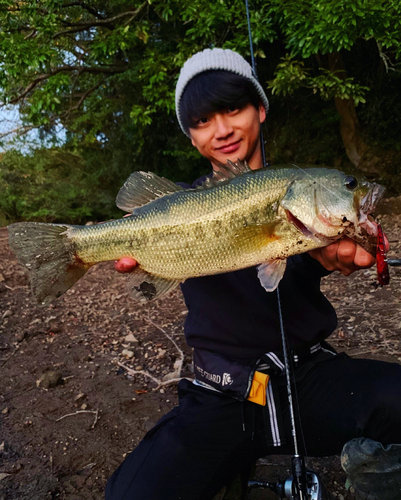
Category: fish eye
<point>350,182</point>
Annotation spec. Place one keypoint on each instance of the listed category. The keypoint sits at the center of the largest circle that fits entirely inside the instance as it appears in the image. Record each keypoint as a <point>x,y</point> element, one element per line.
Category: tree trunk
<point>360,154</point>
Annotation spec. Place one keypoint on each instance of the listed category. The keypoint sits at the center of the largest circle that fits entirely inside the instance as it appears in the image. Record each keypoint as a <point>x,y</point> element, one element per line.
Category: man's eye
<point>232,109</point>
<point>201,121</point>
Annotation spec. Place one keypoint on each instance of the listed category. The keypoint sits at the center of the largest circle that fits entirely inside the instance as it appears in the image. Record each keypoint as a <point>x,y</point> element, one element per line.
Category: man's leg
<point>192,452</point>
<point>346,398</point>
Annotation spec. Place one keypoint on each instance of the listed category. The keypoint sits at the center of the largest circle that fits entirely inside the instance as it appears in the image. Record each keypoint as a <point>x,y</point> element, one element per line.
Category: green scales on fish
<point>238,218</point>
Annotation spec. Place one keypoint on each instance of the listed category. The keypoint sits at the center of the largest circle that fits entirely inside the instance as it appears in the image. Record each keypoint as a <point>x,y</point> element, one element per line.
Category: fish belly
<point>218,246</point>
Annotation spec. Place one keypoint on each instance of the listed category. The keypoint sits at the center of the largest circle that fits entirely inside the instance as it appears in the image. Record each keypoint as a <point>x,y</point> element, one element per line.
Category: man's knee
<point>386,390</point>
<point>384,402</point>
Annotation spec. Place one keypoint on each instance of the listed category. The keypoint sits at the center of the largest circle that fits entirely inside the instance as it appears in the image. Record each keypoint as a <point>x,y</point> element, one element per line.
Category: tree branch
<point>96,412</point>
<point>75,27</point>
<point>85,95</point>
<point>79,69</point>
<point>84,6</point>
<point>32,34</point>
<point>24,129</point>
<point>170,378</point>
<point>384,57</point>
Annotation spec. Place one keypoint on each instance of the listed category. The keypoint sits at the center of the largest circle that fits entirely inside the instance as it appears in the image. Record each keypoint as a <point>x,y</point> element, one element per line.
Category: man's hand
<point>344,255</point>
<point>125,265</point>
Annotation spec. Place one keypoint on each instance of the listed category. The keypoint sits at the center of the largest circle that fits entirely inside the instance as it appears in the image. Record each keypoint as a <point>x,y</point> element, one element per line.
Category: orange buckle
<point>257,394</point>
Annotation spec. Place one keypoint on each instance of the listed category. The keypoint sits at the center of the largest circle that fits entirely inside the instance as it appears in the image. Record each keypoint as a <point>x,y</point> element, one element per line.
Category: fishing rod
<point>303,484</point>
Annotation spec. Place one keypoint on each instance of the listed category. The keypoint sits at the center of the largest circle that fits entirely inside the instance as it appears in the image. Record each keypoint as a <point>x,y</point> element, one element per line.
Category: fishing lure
<point>381,258</point>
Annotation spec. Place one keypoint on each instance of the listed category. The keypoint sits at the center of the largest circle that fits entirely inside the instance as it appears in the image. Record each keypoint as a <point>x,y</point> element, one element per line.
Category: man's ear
<point>262,113</point>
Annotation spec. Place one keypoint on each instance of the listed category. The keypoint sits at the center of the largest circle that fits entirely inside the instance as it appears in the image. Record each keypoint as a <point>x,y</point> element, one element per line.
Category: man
<point>217,431</point>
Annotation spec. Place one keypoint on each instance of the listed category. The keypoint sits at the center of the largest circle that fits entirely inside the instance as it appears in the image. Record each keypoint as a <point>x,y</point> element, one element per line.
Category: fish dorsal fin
<point>143,187</point>
<point>227,172</point>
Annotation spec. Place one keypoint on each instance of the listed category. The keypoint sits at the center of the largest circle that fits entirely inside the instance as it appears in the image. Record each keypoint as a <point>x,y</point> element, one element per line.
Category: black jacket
<point>232,315</point>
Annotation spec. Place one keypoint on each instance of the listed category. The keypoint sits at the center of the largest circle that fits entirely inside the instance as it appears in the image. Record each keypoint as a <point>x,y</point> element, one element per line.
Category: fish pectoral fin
<point>271,273</point>
<point>145,287</point>
<point>141,188</point>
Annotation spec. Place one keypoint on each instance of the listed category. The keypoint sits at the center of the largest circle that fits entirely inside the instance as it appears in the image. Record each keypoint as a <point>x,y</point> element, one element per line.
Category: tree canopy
<point>106,72</point>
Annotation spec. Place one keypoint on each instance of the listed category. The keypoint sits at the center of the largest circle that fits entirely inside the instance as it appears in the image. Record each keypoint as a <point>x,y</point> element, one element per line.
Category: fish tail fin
<point>48,253</point>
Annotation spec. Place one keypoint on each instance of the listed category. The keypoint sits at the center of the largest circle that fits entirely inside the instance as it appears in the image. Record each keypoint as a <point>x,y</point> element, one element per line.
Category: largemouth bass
<point>237,219</point>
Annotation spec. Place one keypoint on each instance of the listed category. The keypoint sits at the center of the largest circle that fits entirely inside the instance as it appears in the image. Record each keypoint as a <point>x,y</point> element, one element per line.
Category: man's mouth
<point>229,148</point>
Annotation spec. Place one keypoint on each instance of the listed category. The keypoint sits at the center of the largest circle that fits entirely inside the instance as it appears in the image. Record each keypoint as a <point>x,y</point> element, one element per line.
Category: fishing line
<point>248,17</point>
<point>316,181</point>
<point>298,461</point>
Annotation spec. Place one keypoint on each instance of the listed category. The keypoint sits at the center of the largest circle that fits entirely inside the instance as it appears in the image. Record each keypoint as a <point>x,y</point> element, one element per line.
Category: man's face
<point>229,135</point>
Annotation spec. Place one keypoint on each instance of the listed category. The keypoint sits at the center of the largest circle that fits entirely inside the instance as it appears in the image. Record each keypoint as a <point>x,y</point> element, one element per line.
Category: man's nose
<point>223,126</point>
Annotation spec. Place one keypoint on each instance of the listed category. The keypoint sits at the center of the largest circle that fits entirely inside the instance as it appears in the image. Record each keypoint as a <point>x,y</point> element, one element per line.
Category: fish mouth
<point>366,231</point>
<point>371,199</point>
<point>304,229</point>
<point>298,224</point>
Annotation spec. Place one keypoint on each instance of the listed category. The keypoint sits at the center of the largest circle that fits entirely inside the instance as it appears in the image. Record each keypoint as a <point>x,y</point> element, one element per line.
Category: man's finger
<point>125,265</point>
<point>363,259</point>
<point>346,253</point>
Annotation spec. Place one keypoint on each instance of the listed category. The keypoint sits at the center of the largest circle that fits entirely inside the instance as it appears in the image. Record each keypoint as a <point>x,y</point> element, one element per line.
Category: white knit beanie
<point>212,59</point>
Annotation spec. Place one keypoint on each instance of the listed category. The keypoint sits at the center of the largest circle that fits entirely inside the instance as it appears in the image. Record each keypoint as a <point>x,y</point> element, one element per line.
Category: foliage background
<point>106,72</point>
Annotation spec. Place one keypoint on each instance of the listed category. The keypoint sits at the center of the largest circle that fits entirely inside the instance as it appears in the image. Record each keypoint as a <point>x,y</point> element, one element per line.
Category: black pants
<point>209,438</point>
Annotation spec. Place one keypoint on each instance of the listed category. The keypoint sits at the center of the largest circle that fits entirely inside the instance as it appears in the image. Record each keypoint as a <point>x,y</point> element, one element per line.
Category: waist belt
<point>238,380</point>
<point>242,381</point>
<point>255,381</point>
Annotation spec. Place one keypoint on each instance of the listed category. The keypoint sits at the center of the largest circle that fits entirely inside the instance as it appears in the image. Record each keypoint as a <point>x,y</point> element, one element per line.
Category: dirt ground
<point>71,403</point>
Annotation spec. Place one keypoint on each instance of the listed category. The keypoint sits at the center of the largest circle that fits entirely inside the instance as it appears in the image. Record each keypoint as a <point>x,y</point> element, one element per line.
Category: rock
<point>128,354</point>
<point>80,397</point>
<point>169,376</point>
<point>50,379</point>
<point>20,336</point>
<point>130,338</point>
<point>84,406</point>
<point>7,314</point>
<point>161,353</point>
<point>4,411</point>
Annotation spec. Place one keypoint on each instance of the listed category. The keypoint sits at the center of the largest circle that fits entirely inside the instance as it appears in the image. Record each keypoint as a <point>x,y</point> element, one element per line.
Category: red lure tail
<point>381,259</point>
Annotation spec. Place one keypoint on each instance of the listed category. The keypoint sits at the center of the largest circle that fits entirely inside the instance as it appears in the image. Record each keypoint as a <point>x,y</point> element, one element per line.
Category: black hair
<point>213,91</point>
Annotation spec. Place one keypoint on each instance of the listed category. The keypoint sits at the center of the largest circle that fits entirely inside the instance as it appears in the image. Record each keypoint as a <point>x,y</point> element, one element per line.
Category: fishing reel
<point>288,488</point>
<point>302,485</point>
